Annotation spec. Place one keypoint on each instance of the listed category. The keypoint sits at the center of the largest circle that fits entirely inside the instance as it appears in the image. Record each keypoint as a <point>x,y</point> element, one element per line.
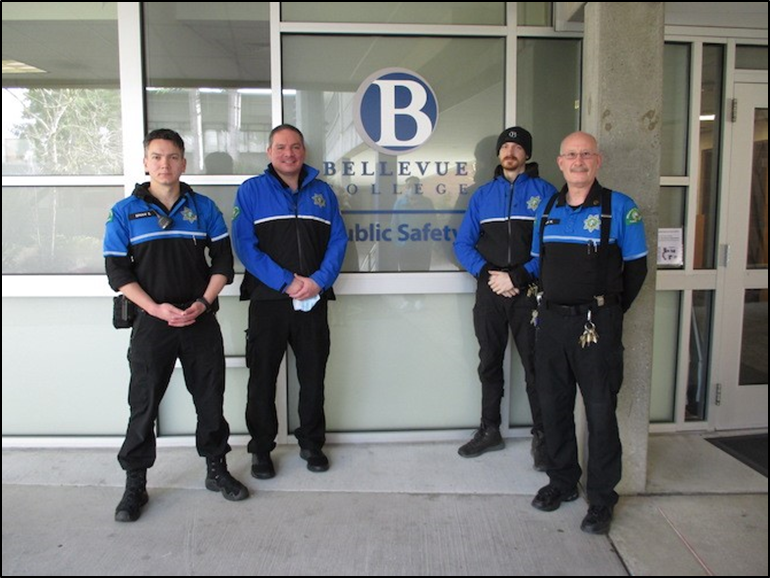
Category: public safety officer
<point>289,234</point>
<point>592,258</point>
<point>156,246</point>
<point>493,244</point>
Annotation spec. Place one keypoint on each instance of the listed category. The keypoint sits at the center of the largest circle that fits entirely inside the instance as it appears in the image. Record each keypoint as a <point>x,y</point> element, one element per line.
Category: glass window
<point>50,230</point>
<point>756,254</point>
<point>754,338</point>
<point>751,58</point>
<point>664,355</point>
<point>533,13</point>
<point>224,197</point>
<point>487,13</point>
<point>417,371</point>
<point>676,110</point>
<point>672,207</point>
<point>700,355</point>
<point>712,90</point>
<point>61,96</point>
<point>208,78</point>
<point>64,367</point>
<point>547,98</point>
<point>401,209</point>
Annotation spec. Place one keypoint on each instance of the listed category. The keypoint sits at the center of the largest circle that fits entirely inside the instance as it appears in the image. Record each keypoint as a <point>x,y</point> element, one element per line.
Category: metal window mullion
<point>719,308</point>
<point>276,72</point>
<point>683,358</point>
<point>392,29</point>
<point>693,153</point>
<point>132,102</point>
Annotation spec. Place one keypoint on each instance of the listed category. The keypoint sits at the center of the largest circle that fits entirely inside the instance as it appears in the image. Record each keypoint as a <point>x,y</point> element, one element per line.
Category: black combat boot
<point>598,520</point>
<point>485,439</point>
<point>130,505</point>
<point>218,479</point>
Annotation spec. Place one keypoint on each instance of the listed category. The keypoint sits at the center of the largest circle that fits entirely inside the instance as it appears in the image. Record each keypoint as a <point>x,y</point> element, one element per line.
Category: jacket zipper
<point>508,220</point>
<point>296,228</point>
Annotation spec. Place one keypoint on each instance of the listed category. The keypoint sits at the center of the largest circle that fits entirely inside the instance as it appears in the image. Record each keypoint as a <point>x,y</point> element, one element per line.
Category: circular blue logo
<point>396,111</point>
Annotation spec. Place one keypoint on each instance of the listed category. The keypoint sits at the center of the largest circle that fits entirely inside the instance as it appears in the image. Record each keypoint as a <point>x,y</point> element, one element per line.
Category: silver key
<point>589,335</point>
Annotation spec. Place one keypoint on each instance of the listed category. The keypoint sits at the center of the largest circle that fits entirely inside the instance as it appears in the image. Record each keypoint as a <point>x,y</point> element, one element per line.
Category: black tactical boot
<point>262,466</point>
<point>218,479</point>
<point>485,439</point>
<point>598,520</point>
<point>539,454</point>
<point>135,496</point>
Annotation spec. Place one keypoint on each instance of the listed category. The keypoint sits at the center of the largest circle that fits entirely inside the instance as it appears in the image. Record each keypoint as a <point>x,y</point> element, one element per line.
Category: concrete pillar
<point>622,107</point>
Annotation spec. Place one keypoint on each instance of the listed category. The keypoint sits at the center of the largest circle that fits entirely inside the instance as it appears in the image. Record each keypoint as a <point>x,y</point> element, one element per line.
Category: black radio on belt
<point>123,312</point>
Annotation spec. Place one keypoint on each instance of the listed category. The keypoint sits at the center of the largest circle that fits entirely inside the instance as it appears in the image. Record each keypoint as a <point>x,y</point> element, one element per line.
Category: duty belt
<point>583,308</point>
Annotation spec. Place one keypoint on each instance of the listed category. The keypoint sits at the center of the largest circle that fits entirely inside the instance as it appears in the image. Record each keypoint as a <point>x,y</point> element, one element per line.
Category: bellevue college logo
<point>396,111</point>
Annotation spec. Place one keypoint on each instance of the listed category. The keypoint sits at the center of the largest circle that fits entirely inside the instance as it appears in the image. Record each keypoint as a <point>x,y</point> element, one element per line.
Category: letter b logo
<point>396,111</point>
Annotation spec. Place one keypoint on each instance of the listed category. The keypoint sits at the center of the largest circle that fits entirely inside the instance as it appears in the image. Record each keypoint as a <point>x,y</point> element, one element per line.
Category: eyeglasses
<point>584,155</point>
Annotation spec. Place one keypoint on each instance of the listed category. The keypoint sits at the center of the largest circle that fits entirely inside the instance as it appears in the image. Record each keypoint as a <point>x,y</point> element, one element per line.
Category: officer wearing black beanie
<point>493,244</point>
<point>518,135</point>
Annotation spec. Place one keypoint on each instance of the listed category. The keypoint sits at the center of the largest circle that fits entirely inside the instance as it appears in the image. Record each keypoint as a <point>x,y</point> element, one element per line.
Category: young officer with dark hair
<point>289,234</point>
<point>592,256</point>
<point>155,248</point>
<point>493,244</point>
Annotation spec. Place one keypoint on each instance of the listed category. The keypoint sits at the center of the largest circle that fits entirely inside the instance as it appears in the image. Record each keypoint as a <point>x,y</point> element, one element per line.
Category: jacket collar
<point>142,191</point>
<point>594,198</point>
<point>306,174</point>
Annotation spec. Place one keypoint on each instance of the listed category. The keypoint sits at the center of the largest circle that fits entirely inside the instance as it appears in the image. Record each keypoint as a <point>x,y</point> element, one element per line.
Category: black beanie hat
<point>518,135</point>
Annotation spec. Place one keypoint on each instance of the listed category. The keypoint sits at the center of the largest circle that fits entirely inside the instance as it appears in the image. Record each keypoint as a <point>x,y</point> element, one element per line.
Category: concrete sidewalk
<point>395,509</point>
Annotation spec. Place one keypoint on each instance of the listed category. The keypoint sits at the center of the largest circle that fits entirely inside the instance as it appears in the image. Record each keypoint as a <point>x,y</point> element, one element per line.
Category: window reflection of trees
<point>64,131</point>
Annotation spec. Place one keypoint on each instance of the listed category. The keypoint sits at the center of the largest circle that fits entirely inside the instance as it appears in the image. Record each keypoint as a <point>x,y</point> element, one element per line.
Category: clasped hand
<point>176,317</point>
<point>302,288</point>
<point>500,282</point>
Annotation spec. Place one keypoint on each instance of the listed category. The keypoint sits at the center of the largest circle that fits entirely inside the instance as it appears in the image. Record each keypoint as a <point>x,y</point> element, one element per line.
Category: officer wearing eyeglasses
<point>592,257</point>
<point>157,247</point>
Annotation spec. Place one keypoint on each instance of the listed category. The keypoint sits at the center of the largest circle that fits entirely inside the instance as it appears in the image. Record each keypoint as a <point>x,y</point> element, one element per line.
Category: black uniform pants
<point>272,326</point>
<point>493,316</point>
<point>153,351</point>
<point>562,363</point>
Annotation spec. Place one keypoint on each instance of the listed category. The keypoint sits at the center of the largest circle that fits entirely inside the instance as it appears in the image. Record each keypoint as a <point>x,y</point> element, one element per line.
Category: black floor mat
<point>751,449</point>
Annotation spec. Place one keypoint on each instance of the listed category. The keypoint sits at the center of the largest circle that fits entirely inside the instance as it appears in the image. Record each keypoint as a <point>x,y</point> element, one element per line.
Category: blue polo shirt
<point>568,259</point>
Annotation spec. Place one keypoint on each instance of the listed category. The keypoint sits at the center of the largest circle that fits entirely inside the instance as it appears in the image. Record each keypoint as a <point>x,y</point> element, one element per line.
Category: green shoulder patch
<point>633,216</point>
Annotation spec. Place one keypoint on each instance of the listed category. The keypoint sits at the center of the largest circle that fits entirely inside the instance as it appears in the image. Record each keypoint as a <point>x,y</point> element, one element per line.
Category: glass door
<point>741,365</point>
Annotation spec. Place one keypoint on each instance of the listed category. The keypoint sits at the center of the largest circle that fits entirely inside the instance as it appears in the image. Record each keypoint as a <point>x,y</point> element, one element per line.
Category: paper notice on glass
<point>670,247</point>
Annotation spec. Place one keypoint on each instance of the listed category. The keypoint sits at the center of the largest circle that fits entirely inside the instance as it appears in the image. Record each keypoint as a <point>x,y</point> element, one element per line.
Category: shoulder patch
<point>109,217</point>
<point>633,216</point>
<point>236,212</point>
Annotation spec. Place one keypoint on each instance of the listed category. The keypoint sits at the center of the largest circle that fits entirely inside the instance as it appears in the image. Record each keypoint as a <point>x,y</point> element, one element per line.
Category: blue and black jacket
<point>165,251</point>
<point>496,232</point>
<point>278,232</point>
